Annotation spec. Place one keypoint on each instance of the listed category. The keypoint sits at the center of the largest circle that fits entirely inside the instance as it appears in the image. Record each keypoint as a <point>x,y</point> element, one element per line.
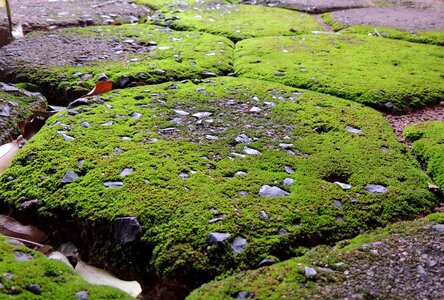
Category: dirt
<point>398,122</point>
<point>404,266</point>
<point>412,19</point>
<point>313,6</point>
<point>49,15</point>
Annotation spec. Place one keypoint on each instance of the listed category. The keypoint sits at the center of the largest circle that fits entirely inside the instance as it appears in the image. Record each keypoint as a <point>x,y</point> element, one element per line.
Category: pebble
<point>102,77</point>
<point>67,137</point>
<point>183,175</point>
<point>438,228</point>
<point>376,189</point>
<point>421,271</point>
<point>266,262</point>
<point>239,244</point>
<point>337,203</point>
<point>85,125</point>
<point>251,151</point>
<point>244,295</point>
<point>112,184</point>
<point>286,146</point>
<point>4,111</point>
<point>202,115</point>
<point>243,194</point>
<point>82,295</point>
<point>272,191</point>
<point>207,74</point>
<point>69,177</point>
<point>135,116</point>
<point>21,256</point>
<point>29,203</point>
<point>181,113</point>
<point>310,272</point>
<point>34,288</point>
<point>217,237</point>
<point>255,109</point>
<point>243,138</point>
<point>353,129</point>
<point>264,216</point>
<point>211,137</point>
<point>289,170</point>
<point>126,172</point>
<point>288,182</point>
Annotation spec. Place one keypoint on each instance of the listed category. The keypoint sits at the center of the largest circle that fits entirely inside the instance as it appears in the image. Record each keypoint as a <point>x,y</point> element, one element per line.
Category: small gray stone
<point>265,216</point>
<point>21,256</point>
<point>431,263</point>
<point>344,186</point>
<point>34,288</point>
<point>126,172</point>
<point>184,175</point>
<point>217,237</point>
<point>310,272</point>
<point>239,244</point>
<point>376,189</point>
<point>4,111</point>
<point>211,137</point>
<point>288,182</point>
<point>337,203</point>
<point>160,72</point>
<point>69,177</point>
<point>251,151</point>
<point>353,129</point>
<point>181,113</point>
<point>244,295</point>
<point>217,218</point>
<point>29,203</point>
<point>240,173</point>
<point>126,230</point>
<point>272,191</point>
<point>243,138</point>
<point>255,109</point>
<point>102,77</point>
<point>243,193</point>
<point>439,228</point>
<point>109,123</point>
<point>206,74</point>
<point>85,125</point>
<point>123,81</point>
<point>289,170</point>
<point>82,295</point>
<point>286,146</point>
<point>67,137</point>
<point>421,271</point>
<point>80,163</point>
<point>135,116</point>
<point>112,184</point>
<point>202,115</point>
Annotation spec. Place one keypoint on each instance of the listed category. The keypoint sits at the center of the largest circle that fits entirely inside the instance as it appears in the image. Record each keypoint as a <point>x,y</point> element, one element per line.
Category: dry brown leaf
<point>10,227</point>
<point>101,87</point>
<point>7,153</point>
<point>98,276</point>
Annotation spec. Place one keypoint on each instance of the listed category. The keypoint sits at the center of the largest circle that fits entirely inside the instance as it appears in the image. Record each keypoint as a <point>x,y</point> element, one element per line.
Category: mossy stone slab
<point>234,21</point>
<point>189,160</point>
<point>143,53</point>
<point>385,74</point>
<point>288,279</point>
<point>22,269</point>
<point>428,146</point>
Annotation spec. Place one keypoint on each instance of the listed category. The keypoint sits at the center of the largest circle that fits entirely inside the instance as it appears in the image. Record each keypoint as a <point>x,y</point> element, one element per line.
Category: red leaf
<point>101,87</point>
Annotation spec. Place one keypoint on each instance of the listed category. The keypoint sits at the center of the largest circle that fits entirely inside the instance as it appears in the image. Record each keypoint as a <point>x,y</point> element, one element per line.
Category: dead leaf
<point>7,153</point>
<point>98,276</point>
<point>31,127</point>
<point>100,88</point>
<point>10,227</point>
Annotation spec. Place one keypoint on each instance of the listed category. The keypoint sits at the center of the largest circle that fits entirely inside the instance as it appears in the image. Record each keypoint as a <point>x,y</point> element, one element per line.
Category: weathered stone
<point>353,129</point>
<point>126,172</point>
<point>34,288</point>
<point>69,177</point>
<point>266,262</point>
<point>264,216</point>
<point>244,295</point>
<point>126,230</point>
<point>344,186</point>
<point>85,125</point>
<point>20,256</point>
<point>239,244</point>
<point>217,237</point>
<point>82,295</point>
<point>272,191</point>
<point>112,184</point>
<point>251,151</point>
<point>310,272</point>
<point>288,182</point>
<point>438,228</point>
<point>243,138</point>
<point>376,189</point>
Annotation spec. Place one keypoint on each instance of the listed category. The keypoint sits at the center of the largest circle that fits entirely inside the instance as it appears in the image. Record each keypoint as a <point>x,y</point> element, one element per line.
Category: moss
<point>381,73</point>
<point>287,279</point>
<point>175,212</point>
<point>335,25</point>
<point>56,280</point>
<point>236,22</point>
<point>176,56</point>
<point>428,146</point>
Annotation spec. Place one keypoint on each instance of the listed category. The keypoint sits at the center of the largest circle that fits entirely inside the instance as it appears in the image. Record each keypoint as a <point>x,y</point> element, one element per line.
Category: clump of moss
<point>428,146</point>
<point>382,73</point>
<point>190,172</point>
<point>22,270</point>
<point>236,22</point>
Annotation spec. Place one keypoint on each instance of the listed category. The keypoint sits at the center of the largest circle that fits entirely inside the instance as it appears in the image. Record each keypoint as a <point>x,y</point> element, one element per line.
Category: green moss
<point>237,22</point>
<point>175,212</point>
<point>428,146</point>
<point>56,280</point>
<point>373,71</point>
<point>287,279</point>
<point>335,25</point>
<point>177,55</point>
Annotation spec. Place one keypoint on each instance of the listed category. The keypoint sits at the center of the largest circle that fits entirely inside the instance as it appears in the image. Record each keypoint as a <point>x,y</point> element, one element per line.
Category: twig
<point>8,11</point>
<point>25,241</point>
<point>377,33</point>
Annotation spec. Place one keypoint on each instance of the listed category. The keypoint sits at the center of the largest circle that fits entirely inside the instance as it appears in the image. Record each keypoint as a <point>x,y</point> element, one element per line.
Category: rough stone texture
<point>44,14</point>
<point>399,17</point>
<point>313,6</point>
<point>126,230</point>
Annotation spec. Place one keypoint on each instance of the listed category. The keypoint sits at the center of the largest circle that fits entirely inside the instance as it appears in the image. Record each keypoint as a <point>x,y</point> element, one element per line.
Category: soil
<point>398,122</point>
<point>404,266</point>
<point>314,6</point>
<point>412,19</point>
<point>49,15</point>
